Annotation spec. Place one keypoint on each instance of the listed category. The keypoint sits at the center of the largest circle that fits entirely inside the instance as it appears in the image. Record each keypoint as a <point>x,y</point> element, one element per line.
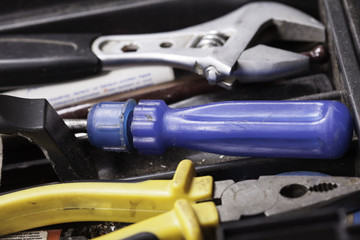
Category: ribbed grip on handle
<point>108,125</point>
<point>147,127</point>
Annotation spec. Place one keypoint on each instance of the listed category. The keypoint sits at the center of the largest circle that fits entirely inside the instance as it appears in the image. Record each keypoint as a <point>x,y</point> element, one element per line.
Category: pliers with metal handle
<point>168,209</point>
<point>218,49</point>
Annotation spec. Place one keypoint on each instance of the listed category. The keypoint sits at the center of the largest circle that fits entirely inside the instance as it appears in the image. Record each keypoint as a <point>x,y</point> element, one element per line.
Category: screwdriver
<point>298,129</point>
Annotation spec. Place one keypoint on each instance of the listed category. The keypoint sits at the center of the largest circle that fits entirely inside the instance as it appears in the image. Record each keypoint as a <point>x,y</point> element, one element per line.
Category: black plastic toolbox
<point>337,79</point>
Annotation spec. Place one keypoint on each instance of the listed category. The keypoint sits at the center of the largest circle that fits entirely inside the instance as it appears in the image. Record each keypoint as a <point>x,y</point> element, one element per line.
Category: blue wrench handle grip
<point>304,129</point>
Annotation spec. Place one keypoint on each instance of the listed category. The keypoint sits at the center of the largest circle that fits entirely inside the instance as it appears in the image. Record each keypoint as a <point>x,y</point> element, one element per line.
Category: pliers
<point>219,49</point>
<point>181,208</point>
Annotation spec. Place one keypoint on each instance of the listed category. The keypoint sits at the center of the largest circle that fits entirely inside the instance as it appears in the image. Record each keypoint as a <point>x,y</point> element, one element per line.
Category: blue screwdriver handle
<point>300,129</point>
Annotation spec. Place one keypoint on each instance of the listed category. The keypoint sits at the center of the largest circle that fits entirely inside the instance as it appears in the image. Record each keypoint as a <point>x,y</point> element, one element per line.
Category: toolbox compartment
<point>336,79</point>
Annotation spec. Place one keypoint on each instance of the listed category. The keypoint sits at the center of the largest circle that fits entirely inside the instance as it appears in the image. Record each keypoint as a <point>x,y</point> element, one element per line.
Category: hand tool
<point>105,85</point>
<point>183,88</point>
<point>321,223</point>
<point>352,218</point>
<point>216,49</point>
<point>303,87</point>
<point>305,129</point>
<point>35,119</point>
<point>169,209</point>
<point>193,90</point>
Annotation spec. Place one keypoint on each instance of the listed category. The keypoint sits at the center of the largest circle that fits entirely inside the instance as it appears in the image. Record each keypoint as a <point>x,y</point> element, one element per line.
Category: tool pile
<point>242,124</point>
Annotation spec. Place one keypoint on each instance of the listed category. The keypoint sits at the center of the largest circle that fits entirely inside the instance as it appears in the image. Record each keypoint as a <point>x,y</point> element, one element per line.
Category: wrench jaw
<point>301,31</point>
<point>262,63</point>
<point>217,48</point>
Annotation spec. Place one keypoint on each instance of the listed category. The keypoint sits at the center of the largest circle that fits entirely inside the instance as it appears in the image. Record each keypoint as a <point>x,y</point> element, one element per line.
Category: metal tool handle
<point>43,58</point>
<point>212,49</point>
<point>306,129</point>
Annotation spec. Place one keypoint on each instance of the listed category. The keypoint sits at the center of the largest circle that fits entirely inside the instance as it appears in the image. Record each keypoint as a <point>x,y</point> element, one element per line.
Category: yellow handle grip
<point>185,221</point>
<point>98,201</point>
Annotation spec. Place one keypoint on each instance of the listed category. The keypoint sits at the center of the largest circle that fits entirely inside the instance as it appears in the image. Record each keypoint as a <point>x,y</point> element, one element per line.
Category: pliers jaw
<point>271,195</point>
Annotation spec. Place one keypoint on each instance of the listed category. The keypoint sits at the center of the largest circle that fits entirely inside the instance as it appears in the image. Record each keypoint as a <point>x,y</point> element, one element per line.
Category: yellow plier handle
<point>186,221</point>
<point>100,201</point>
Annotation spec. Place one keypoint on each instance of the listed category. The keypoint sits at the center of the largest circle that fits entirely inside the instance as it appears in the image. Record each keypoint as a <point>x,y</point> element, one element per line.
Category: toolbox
<point>53,149</point>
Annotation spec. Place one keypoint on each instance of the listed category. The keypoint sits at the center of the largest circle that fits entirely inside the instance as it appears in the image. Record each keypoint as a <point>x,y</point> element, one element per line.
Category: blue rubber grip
<point>299,129</point>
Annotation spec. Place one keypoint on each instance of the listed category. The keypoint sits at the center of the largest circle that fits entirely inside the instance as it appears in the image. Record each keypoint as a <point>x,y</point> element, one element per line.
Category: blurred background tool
<point>219,49</point>
<point>104,85</point>
<point>181,88</point>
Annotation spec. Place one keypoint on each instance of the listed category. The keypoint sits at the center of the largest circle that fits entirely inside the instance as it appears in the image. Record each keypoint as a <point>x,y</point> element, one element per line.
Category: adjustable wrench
<point>217,49</point>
